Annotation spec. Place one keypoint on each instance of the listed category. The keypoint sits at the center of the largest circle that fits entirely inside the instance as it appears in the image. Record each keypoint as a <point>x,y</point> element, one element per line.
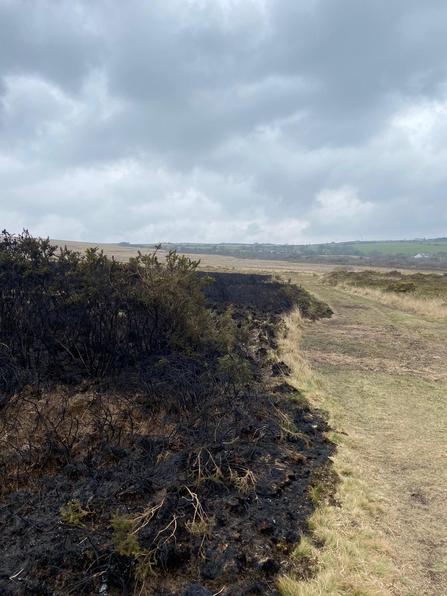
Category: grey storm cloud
<point>223,120</point>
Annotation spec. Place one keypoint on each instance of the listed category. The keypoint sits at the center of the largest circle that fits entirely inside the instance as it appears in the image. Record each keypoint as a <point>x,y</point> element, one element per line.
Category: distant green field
<point>408,248</point>
<point>405,248</point>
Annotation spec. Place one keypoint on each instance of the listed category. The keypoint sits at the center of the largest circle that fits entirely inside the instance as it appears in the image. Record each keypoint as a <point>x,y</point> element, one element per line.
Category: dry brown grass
<point>385,368</point>
<point>354,559</point>
<point>430,307</point>
<point>121,253</point>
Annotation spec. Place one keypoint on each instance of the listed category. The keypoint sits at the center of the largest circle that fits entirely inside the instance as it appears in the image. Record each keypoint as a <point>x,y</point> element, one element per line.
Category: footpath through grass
<point>384,369</point>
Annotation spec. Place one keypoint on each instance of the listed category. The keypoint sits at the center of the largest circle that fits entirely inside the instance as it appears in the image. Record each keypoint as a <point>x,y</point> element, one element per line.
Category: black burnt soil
<point>215,479</point>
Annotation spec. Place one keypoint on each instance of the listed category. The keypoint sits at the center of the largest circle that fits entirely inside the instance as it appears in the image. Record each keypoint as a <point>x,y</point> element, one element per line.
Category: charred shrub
<point>65,316</point>
<point>138,439</point>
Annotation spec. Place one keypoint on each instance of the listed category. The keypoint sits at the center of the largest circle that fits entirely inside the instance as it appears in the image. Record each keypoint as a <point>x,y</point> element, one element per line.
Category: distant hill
<point>420,253</point>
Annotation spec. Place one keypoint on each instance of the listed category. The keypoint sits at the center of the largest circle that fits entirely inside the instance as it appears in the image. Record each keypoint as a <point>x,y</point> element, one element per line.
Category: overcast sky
<point>292,121</point>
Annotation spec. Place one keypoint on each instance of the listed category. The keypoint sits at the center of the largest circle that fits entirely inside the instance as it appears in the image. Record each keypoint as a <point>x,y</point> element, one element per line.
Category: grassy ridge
<point>420,285</point>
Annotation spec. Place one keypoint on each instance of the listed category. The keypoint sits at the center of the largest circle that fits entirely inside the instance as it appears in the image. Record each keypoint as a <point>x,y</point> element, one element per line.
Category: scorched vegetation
<point>148,440</point>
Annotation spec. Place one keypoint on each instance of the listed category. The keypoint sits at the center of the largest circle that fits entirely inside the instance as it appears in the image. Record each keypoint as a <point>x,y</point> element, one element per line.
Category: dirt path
<point>388,369</point>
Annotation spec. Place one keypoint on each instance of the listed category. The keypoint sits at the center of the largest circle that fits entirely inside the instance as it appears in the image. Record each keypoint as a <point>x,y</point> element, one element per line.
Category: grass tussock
<point>345,547</point>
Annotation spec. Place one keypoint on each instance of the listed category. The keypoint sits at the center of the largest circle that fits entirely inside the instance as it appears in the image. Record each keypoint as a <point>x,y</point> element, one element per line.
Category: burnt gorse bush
<point>67,316</point>
<point>145,436</point>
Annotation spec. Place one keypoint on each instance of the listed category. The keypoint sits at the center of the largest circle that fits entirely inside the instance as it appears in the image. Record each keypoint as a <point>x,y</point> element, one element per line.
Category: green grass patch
<point>407,248</point>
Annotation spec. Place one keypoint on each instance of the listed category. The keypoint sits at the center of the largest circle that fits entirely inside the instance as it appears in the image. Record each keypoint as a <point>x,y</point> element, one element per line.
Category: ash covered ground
<point>196,473</point>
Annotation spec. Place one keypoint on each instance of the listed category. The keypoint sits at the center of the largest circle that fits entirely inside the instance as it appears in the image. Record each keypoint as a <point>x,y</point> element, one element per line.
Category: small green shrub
<point>73,513</point>
<point>402,287</point>
<point>126,541</point>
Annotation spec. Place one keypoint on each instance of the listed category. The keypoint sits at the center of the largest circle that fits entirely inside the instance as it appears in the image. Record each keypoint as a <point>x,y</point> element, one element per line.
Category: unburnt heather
<point>421,285</point>
<point>147,438</point>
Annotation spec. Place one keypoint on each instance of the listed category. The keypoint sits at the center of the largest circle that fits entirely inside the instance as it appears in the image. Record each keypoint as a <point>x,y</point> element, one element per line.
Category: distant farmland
<point>404,247</point>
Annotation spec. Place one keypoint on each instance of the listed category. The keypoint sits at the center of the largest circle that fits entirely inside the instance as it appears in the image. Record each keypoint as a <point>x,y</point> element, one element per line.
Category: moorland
<point>148,440</point>
<point>255,446</point>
